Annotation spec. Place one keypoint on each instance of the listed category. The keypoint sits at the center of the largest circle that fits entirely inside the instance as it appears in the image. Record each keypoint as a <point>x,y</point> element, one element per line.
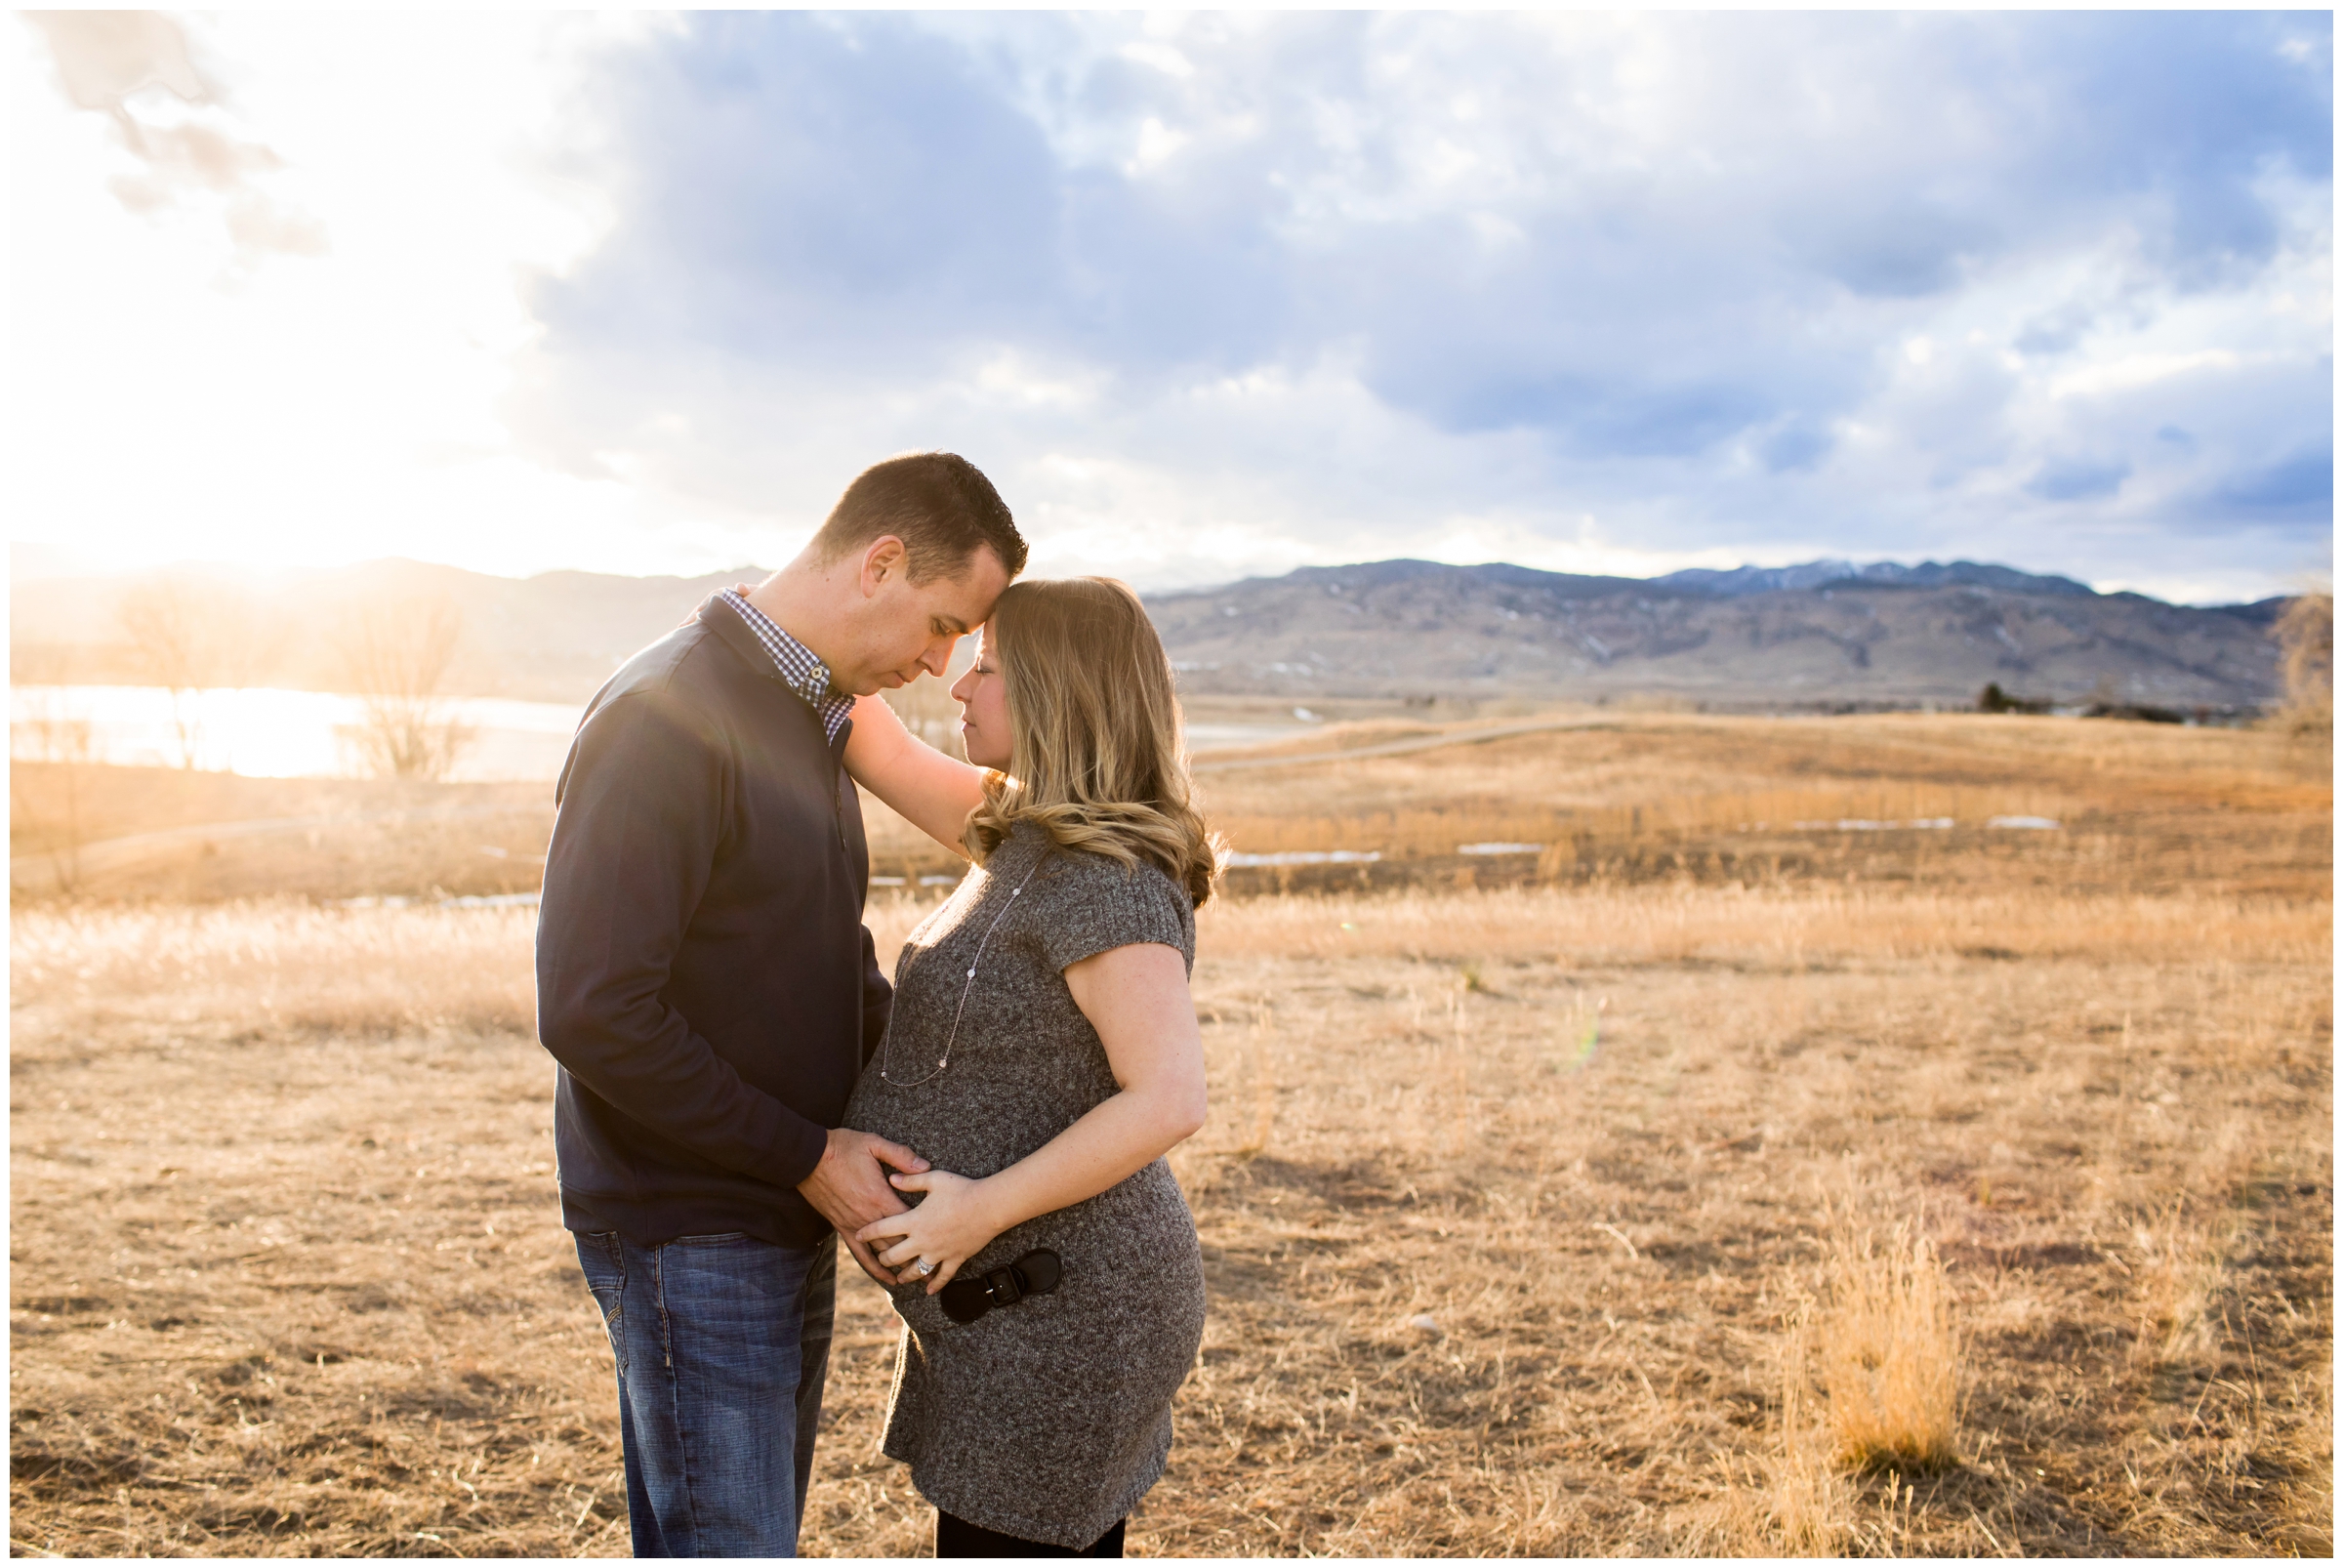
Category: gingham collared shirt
<point>803,673</point>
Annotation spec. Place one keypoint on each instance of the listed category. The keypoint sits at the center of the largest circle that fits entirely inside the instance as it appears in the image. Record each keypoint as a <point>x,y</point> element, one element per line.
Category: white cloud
<point>182,392</point>
<point>1206,294</point>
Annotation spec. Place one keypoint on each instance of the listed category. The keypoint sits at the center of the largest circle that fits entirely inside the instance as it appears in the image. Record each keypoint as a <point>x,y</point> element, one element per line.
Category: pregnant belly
<point>958,1133</point>
<point>1134,1243</point>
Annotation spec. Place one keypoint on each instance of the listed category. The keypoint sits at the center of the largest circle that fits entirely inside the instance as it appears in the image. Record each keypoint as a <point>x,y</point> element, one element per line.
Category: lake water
<point>1228,737</point>
<point>268,733</point>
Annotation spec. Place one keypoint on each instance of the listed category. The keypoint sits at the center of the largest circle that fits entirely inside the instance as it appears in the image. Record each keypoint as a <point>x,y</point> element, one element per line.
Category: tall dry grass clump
<point>1890,1354</point>
<point>2306,640</point>
<point>1870,1381</point>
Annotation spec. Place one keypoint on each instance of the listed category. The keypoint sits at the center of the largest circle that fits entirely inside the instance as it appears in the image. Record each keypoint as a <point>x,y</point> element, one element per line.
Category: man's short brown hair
<point>939,504</point>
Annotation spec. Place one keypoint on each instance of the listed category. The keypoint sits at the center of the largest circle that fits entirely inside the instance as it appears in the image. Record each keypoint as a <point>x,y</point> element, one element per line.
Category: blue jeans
<point>722,1343</point>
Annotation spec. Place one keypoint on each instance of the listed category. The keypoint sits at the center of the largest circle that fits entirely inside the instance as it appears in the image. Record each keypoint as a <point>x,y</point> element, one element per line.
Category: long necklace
<point>887,1049</point>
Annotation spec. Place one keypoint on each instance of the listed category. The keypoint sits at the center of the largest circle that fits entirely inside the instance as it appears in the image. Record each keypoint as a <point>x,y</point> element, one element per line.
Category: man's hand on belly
<point>849,1187</point>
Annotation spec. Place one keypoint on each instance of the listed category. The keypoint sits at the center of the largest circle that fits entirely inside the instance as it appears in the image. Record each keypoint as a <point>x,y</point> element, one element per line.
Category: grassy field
<point>88,832</point>
<point>1535,1215</point>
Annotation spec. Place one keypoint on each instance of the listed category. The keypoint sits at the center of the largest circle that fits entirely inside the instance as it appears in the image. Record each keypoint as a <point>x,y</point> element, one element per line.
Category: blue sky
<point>1211,296</point>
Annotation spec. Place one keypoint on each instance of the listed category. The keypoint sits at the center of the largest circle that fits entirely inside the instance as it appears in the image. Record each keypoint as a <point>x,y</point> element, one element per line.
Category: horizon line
<point>224,567</point>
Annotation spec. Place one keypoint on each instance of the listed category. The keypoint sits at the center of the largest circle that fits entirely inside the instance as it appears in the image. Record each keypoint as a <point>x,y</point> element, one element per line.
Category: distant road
<point>1397,748</point>
<point>36,872</point>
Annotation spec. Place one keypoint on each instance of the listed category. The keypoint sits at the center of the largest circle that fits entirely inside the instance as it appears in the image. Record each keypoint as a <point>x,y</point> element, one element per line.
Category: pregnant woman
<point>1043,1055</point>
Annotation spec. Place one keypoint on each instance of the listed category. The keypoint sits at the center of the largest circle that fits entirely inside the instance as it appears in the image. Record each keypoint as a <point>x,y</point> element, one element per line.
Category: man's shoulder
<point>660,709</point>
<point>686,665</point>
<point>690,684</point>
<point>667,685</point>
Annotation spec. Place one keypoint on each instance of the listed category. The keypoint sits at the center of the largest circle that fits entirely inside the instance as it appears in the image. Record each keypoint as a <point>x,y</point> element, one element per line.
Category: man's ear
<point>886,559</point>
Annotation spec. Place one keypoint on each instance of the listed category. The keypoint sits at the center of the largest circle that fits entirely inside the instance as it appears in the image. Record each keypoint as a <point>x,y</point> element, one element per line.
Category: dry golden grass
<point>1611,1250</point>
<point>1526,1216</point>
<point>271,969</point>
<point>1705,770</point>
<point>1739,802</point>
<point>1891,1354</point>
<point>143,832</point>
<point>1794,1497</point>
<point>286,1276</point>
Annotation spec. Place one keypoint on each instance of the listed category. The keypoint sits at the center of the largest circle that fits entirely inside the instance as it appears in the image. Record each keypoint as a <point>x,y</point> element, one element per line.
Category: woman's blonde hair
<point>1096,755</point>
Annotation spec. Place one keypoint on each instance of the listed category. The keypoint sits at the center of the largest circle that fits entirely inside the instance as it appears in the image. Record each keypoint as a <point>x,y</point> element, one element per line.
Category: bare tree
<point>397,658</point>
<point>2306,640</point>
<point>187,633</point>
<point>46,815</point>
<point>163,620</point>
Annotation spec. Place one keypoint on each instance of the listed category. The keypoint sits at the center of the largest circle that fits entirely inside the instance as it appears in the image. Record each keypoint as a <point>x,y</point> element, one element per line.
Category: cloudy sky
<point>1206,296</point>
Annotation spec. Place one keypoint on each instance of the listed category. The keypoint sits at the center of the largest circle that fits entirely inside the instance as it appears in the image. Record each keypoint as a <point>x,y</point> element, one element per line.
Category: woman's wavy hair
<point>1096,759</point>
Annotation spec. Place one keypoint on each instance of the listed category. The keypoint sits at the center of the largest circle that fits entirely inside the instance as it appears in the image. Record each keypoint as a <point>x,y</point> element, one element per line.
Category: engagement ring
<point>922,1268</point>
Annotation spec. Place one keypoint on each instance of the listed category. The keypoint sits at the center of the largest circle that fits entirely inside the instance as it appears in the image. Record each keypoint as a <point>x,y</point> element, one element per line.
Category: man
<point>705,982</point>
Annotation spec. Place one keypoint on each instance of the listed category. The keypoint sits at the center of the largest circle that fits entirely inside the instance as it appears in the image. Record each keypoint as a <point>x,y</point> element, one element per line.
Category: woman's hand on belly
<point>951,1225</point>
<point>1136,997</point>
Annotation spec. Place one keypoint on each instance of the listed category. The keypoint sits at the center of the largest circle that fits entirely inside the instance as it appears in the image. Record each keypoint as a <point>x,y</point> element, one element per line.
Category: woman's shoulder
<point>1088,873</point>
<point>1095,901</point>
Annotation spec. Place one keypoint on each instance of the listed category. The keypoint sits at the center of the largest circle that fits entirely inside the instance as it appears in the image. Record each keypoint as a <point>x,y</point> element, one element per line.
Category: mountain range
<point>1879,573</point>
<point>1828,632</point>
<point>1825,633</point>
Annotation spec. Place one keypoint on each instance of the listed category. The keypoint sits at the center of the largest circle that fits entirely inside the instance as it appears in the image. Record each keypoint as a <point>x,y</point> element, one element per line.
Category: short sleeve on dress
<point>1100,904</point>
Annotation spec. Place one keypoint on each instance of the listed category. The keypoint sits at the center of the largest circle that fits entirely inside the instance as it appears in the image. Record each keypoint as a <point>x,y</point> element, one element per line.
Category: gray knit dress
<point>1050,1418</point>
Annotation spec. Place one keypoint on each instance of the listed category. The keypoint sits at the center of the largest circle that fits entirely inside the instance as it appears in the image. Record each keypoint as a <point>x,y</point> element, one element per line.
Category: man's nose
<point>937,657</point>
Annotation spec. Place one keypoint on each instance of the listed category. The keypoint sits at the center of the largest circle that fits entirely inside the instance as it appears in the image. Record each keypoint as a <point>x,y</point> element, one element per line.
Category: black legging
<point>955,1537</point>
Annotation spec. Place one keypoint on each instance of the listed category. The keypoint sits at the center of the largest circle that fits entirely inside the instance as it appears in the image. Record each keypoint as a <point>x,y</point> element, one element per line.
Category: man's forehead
<point>967,599</point>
